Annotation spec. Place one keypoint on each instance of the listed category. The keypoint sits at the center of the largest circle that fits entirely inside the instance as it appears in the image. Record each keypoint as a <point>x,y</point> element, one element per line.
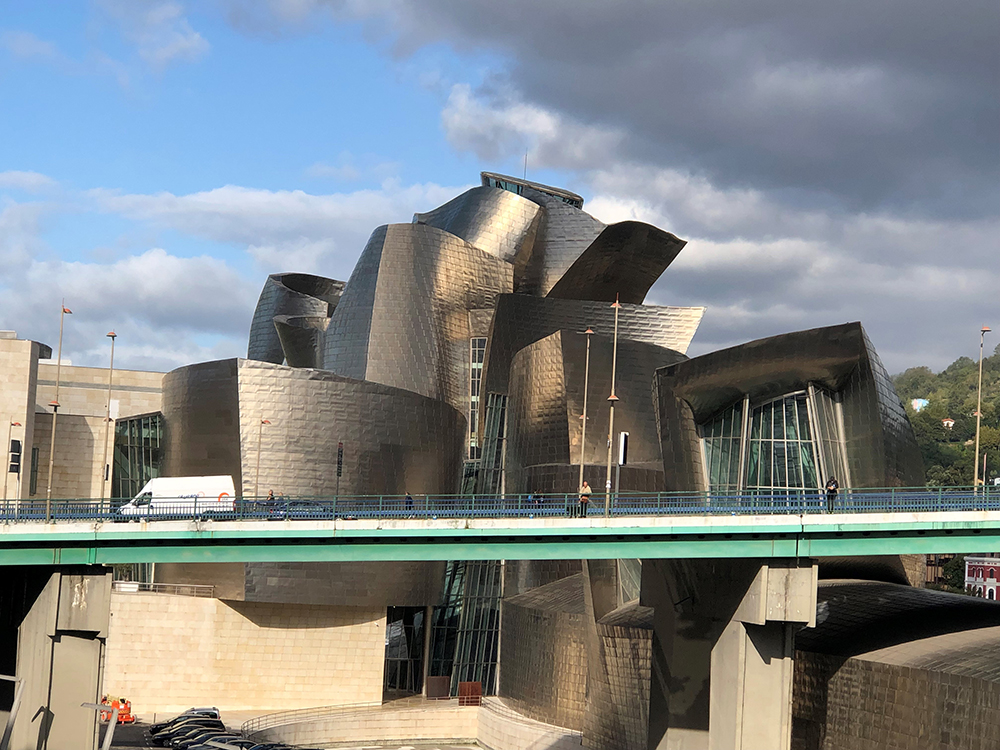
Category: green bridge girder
<point>640,537</point>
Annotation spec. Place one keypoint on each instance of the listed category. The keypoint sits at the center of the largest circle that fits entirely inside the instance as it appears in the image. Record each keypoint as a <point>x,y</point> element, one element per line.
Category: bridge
<point>665,526</point>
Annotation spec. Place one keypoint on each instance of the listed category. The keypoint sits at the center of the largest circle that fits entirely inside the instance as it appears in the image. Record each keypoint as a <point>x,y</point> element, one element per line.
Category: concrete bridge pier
<point>723,646</point>
<point>62,626</point>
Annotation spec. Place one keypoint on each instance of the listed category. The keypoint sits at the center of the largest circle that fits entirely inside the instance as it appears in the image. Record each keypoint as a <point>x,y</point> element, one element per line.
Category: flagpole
<point>55,414</point>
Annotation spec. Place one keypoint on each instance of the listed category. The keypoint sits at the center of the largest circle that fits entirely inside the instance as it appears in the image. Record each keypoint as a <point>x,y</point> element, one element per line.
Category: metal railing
<point>566,505</point>
<point>175,589</point>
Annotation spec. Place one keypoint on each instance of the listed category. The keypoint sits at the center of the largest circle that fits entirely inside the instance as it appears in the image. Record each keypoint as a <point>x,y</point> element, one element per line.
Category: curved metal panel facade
<point>292,294</point>
<point>302,339</point>
<point>395,441</point>
<point>543,654</point>
<point>411,292</point>
<point>498,222</point>
<point>544,428</point>
<point>565,233</point>
<point>520,321</point>
<point>201,410</point>
<point>623,262</point>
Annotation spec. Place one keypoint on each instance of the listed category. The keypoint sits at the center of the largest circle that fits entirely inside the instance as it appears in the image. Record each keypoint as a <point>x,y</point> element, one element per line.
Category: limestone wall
<point>167,653</point>
<point>18,360</point>
<point>84,390</point>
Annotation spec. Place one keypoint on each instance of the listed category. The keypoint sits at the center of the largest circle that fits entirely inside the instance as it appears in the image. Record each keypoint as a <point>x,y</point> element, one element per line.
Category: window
<point>137,454</point>
<point>477,353</point>
<point>781,447</point>
<point>33,480</point>
<point>781,455</point>
<point>993,574</point>
<point>723,437</point>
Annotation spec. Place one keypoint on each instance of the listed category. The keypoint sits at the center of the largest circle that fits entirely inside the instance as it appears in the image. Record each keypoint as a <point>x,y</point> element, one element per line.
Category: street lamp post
<point>613,399</point>
<point>107,415</point>
<point>54,403</point>
<point>586,383</point>
<point>260,438</point>
<point>979,406</point>
<point>6,472</point>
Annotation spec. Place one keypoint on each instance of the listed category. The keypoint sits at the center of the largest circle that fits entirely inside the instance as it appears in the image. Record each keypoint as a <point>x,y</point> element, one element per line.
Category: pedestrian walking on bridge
<point>584,499</point>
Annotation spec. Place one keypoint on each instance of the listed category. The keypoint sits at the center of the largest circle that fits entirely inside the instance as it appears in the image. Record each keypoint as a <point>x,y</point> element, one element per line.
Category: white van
<point>166,497</point>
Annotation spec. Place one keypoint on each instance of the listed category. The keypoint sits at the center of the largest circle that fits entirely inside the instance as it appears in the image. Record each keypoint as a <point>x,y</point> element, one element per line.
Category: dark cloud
<point>891,104</point>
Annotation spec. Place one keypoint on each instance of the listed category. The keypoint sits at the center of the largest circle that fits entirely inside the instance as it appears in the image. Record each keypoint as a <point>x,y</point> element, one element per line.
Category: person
<point>584,498</point>
<point>409,502</point>
<point>832,485</point>
<point>270,496</point>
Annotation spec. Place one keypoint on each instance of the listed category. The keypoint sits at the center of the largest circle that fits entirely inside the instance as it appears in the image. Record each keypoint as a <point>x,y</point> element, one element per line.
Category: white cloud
<point>25,45</point>
<point>499,126</point>
<point>318,233</point>
<point>159,30</point>
<point>31,182</point>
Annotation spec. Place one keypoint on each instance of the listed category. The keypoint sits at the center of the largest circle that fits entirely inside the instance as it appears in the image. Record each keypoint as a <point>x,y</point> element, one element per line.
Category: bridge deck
<point>709,536</point>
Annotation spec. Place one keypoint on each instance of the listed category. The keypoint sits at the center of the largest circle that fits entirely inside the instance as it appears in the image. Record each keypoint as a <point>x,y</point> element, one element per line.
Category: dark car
<point>183,728</point>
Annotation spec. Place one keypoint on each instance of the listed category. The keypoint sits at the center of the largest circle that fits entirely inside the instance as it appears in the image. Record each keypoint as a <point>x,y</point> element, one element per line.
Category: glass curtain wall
<point>477,351</point>
<point>404,648</point>
<point>138,454</point>
<point>723,440</point>
<point>780,447</point>
<point>781,454</point>
<point>466,636</point>
<point>491,465</point>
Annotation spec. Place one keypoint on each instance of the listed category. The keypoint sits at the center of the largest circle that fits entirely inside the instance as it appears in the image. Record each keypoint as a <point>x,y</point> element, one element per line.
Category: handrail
<point>469,507</point>
<point>177,589</point>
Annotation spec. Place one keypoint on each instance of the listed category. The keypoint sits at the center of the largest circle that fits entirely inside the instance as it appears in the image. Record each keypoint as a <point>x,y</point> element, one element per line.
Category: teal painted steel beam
<point>679,537</point>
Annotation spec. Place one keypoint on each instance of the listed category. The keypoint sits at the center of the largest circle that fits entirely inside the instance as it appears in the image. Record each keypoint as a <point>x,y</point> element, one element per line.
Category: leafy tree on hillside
<point>949,454</point>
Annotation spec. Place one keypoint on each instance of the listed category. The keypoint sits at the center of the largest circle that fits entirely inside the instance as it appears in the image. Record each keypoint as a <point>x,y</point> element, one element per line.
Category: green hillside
<point>951,393</point>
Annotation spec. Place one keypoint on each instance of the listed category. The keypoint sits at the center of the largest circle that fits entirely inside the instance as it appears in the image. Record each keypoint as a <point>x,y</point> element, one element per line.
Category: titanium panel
<point>498,222</point>
<point>880,445</point>
<point>520,320</point>
<point>292,294</point>
<point>565,233</point>
<point>395,441</point>
<point>346,584</point>
<point>201,412</point>
<point>544,428</point>
<point>302,339</point>
<point>408,325</point>
<point>626,259</point>
<point>543,655</point>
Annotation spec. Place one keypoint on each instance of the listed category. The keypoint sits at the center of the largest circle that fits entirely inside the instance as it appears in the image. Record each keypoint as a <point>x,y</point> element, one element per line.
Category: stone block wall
<point>76,472</point>
<point>84,390</point>
<point>167,653</point>
<point>18,360</point>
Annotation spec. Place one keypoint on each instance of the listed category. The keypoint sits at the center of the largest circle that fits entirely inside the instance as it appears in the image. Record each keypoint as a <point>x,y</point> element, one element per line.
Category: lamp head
<point>112,335</point>
<point>985,329</point>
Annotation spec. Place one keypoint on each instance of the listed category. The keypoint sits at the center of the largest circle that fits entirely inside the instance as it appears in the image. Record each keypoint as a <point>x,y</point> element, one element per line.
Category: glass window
<point>722,437</point>
<point>477,353</point>
<point>138,454</point>
<point>781,449</point>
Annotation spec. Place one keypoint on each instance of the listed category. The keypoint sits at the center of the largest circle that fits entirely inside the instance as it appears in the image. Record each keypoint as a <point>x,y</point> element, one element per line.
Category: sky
<point>825,162</point>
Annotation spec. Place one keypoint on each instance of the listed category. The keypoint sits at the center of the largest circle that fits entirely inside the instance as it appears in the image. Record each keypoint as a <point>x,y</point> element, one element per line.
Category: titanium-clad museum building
<point>454,360</point>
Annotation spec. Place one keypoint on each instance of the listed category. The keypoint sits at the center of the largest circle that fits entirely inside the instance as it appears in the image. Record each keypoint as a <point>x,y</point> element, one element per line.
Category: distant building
<point>948,423</point>
<point>981,573</point>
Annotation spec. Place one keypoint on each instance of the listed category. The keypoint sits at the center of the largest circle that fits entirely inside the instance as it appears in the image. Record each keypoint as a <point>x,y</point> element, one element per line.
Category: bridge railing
<point>559,505</point>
